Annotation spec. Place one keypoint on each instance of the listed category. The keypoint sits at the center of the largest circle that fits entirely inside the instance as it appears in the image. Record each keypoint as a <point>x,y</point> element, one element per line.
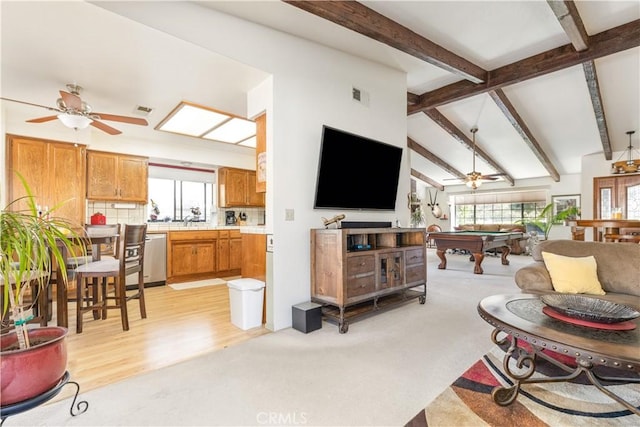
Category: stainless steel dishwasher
<point>155,261</point>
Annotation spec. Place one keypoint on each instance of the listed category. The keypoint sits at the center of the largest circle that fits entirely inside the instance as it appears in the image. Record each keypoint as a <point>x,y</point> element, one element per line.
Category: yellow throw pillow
<point>573,275</point>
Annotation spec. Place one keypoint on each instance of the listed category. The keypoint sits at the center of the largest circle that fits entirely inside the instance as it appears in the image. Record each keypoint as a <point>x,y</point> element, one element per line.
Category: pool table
<point>476,242</point>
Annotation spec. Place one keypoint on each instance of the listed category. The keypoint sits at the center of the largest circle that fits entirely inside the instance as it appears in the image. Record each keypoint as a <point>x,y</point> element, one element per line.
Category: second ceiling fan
<point>474,178</point>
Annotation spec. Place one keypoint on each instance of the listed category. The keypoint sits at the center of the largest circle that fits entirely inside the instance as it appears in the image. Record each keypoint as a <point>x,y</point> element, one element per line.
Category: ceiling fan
<point>74,113</point>
<point>474,178</point>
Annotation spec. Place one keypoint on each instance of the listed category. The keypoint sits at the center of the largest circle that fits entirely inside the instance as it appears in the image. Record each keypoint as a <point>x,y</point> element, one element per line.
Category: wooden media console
<point>358,271</point>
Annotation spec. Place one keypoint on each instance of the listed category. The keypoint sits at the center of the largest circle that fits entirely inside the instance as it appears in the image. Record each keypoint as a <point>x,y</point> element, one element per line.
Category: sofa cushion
<point>573,275</point>
<point>618,266</point>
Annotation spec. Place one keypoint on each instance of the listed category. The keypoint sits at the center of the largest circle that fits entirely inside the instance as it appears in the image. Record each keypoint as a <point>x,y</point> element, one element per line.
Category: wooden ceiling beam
<point>461,137</point>
<point>359,18</point>
<point>412,98</point>
<point>569,18</point>
<point>618,39</point>
<point>413,145</point>
<point>596,100</point>
<point>510,112</point>
<point>424,178</point>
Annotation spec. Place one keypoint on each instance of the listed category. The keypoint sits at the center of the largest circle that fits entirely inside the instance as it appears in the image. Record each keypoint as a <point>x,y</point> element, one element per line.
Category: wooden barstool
<point>130,261</point>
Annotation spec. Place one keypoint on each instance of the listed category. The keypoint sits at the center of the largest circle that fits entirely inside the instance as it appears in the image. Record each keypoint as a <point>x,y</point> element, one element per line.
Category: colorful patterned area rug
<point>468,401</point>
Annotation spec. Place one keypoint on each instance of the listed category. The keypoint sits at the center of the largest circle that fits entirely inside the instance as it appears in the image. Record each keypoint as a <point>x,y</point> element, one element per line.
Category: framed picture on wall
<point>562,203</point>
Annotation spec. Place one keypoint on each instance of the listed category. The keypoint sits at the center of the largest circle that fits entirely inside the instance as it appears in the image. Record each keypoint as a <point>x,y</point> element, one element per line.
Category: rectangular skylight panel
<point>233,131</point>
<point>193,121</point>
<point>250,142</point>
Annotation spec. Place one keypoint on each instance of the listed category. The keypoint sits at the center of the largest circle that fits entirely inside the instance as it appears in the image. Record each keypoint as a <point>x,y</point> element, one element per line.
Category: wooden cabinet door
<point>391,268</point>
<point>236,187</point>
<point>67,182</point>
<point>235,253</point>
<point>102,176</point>
<point>132,179</point>
<point>253,197</point>
<point>223,254</point>
<point>205,257</point>
<point>55,172</point>
<point>182,259</point>
<point>29,157</point>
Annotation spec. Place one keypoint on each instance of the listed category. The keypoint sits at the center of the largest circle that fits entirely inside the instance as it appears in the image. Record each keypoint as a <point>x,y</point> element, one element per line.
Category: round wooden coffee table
<point>521,320</point>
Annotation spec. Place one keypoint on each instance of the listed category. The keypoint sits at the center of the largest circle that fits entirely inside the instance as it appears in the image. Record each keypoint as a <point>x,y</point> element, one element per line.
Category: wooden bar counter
<point>604,227</point>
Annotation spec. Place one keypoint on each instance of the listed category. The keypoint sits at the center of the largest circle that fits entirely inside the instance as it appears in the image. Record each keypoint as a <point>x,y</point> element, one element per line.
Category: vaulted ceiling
<point>545,82</point>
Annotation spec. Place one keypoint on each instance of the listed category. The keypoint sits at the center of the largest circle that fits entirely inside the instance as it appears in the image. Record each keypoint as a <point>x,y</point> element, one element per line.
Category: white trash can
<point>245,302</point>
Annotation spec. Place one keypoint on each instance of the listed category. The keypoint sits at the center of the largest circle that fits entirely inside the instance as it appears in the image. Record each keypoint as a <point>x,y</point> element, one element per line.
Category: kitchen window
<point>177,200</point>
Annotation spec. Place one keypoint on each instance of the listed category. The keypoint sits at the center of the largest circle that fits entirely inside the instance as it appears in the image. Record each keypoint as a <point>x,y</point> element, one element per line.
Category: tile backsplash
<point>121,213</point>
<point>116,215</point>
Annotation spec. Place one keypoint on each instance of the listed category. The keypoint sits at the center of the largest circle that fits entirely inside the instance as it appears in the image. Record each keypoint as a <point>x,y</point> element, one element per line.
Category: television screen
<point>355,172</point>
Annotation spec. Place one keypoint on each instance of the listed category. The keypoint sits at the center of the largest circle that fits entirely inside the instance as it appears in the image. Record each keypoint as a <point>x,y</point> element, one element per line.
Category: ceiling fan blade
<point>71,100</point>
<point>42,119</point>
<point>105,128</point>
<point>32,104</point>
<point>124,119</point>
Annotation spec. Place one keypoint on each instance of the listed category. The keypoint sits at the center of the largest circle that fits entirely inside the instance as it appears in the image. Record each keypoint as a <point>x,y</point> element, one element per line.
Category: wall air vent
<point>360,96</point>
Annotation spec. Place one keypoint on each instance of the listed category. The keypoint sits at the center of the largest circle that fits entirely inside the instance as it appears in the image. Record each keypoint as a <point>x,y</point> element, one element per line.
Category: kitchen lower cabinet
<point>229,252</point>
<point>203,254</point>
<point>191,255</point>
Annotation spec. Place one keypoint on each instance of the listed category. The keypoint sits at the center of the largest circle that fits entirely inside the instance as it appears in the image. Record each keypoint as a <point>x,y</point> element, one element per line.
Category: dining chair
<point>104,249</point>
<point>130,261</point>
<point>433,228</point>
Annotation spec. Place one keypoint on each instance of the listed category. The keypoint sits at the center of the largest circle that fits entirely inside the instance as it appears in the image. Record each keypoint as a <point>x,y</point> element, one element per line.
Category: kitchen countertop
<point>178,226</point>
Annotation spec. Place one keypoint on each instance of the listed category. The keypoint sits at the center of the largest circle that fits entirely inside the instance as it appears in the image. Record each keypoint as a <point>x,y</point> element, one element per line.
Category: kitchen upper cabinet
<point>237,188</point>
<point>112,176</point>
<point>55,172</point>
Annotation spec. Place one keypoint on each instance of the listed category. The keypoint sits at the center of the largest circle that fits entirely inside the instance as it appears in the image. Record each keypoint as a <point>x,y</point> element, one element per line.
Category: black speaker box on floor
<point>307,316</point>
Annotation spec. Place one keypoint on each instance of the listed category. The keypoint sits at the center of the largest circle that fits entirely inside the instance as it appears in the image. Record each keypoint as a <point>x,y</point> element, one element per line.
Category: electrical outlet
<point>288,214</point>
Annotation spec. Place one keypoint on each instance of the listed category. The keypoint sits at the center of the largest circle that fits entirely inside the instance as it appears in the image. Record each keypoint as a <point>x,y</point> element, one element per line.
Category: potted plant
<point>30,241</point>
<point>546,218</point>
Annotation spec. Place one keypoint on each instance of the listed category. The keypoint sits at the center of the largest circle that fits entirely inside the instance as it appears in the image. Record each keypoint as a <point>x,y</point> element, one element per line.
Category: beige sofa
<point>618,268</point>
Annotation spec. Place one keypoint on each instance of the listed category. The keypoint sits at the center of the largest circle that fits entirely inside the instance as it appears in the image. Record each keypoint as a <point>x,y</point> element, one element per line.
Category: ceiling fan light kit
<point>74,121</point>
<point>630,165</point>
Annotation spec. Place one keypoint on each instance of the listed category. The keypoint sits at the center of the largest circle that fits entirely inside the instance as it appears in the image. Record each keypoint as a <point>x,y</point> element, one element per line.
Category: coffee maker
<point>230,218</point>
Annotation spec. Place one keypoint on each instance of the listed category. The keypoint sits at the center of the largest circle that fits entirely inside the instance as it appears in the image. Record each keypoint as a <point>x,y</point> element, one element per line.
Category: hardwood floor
<point>180,325</point>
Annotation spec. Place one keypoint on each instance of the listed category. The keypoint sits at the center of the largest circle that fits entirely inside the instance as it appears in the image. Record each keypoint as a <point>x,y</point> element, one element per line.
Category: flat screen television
<point>355,172</point>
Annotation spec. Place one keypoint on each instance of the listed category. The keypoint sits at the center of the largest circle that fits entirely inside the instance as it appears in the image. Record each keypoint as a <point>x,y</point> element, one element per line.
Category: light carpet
<point>382,372</point>
<point>197,284</point>
<point>468,401</point>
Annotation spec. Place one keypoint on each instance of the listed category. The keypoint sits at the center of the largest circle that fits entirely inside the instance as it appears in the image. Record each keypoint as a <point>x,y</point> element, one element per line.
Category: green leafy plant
<point>545,219</point>
<point>417,216</point>
<point>30,241</point>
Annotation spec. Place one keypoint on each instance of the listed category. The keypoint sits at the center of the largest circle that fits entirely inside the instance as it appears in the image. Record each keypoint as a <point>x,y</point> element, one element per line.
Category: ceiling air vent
<point>142,110</point>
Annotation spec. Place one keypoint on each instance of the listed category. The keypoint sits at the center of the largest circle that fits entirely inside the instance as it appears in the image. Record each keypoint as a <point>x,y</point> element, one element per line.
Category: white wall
<point>311,86</point>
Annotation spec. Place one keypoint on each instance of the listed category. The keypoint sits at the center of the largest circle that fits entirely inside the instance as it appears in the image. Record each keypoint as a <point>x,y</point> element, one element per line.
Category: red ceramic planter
<point>27,373</point>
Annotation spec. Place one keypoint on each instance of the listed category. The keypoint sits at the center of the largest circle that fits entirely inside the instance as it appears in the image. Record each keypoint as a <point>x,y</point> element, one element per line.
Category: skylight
<point>207,123</point>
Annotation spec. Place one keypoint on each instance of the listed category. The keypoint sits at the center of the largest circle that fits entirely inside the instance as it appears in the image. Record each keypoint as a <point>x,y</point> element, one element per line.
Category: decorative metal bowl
<point>588,308</point>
